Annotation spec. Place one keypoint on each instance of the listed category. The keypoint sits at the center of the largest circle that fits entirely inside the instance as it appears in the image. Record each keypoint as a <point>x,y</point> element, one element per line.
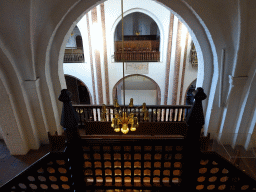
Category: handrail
<point>52,173</point>
<point>49,173</point>
<point>148,106</point>
<point>138,56</point>
<point>74,55</point>
<point>157,113</point>
<point>73,47</point>
<point>106,164</point>
<point>73,58</point>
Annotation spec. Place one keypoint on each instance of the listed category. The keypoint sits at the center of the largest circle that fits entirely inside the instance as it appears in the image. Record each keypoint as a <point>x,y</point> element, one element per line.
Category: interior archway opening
<point>141,38</point>
<point>79,91</point>
<point>206,57</point>
<point>139,87</point>
<point>74,52</point>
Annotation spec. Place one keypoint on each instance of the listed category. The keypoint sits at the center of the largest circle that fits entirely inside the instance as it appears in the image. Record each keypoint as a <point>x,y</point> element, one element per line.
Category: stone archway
<point>158,94</point>
<point>204,43</point>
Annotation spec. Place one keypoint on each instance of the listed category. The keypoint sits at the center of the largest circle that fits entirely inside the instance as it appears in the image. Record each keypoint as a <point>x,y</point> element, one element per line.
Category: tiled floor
<point>11,165</point>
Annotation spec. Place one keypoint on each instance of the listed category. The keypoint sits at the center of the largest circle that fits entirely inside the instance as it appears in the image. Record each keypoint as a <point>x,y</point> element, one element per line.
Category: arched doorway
<point>80,93</point>
<point>139,87</point>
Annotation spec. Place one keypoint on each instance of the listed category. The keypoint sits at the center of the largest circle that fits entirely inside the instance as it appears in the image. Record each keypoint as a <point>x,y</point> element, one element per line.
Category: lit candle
<point>115,123</point>
<point>146,115</point>
<point>144,107</point>
<point>104,109</point>
<point>125,126</point>
<point>131,102</point>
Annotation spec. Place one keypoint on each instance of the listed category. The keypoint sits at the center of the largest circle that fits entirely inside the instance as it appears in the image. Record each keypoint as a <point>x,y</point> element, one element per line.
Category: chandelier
<point>122,120</point>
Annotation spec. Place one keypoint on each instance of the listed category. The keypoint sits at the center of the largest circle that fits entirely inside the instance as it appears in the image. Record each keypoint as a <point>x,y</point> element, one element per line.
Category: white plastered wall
<point>140,97</point>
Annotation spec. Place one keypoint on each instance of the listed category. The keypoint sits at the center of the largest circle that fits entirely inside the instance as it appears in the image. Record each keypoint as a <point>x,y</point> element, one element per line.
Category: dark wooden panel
<point>145,128</point>
<point>50,173</point>
<point>139,37</point>
<point>136,163</point>
<point>137,45</point>
<point>156,162</point>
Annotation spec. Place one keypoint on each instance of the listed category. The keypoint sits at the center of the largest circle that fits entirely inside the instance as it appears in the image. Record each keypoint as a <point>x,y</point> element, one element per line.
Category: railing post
<point>195,122</point>
<point>74,150</point>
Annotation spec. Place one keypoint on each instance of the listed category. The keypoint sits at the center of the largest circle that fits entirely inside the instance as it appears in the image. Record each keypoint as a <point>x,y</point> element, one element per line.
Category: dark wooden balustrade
<point>137,45</point>
<point>154,163</point>
<point>74,55</point>
<point>142,49</point>
<point>157,113</point>
<point>130,56</point>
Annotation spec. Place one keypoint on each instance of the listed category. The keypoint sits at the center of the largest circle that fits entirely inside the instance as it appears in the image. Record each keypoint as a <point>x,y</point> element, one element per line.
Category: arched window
<point>141,39</point>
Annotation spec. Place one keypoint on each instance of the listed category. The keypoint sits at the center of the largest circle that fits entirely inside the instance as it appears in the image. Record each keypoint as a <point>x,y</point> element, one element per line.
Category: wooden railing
<point>136,164</point>
<point>73,55</point>
<point>154,163</point>
<point>152,56</point>
<point>137,45</point>
<point>157,113</point>
<point>50,173</point>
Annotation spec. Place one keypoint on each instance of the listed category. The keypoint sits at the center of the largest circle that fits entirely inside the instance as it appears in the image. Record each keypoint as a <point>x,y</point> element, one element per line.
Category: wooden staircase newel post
<point>74,150</point>
<point>195,122</point>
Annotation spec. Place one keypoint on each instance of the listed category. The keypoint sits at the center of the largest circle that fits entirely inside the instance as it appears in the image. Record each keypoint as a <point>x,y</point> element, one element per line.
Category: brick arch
<point>157,87</point>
